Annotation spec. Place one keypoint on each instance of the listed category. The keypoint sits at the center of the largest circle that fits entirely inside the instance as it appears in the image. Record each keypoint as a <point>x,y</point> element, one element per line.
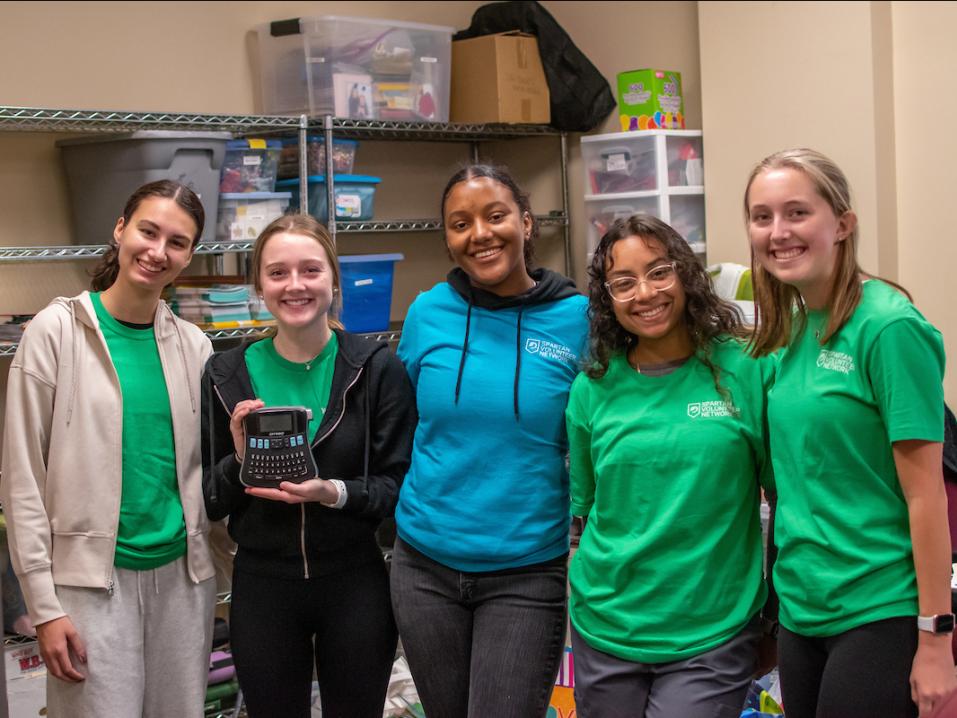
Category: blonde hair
<point>307,226</point>
<point>776,301</point>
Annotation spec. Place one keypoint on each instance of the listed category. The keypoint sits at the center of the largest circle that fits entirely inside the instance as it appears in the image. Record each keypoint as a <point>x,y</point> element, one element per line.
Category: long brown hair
<point>780,308</point>
<point>706,315</point>
<point>105,272</point>
<point>307,226</point>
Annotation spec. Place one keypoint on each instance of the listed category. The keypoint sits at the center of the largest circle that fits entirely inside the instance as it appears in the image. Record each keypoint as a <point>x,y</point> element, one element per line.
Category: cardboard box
<point>499,78</point>
<point>650,100</point>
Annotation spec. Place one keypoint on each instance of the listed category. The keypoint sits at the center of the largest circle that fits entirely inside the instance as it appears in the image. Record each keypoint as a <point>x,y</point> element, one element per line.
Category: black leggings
<point>861,673</point>
<point>342,621</point>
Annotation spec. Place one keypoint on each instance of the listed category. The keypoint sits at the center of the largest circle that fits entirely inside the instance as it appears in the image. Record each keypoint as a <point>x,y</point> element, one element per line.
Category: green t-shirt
<point>152,531</point>
<point>845,555</point>
<point>280,382</point>
<point>670,563</point>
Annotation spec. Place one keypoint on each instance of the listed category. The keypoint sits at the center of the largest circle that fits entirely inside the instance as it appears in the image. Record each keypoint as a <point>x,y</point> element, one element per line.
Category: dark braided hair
<point>501,175</point>
<point>706,315</point>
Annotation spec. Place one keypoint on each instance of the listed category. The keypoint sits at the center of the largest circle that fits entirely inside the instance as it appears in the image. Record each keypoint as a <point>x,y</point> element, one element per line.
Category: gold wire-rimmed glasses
<point>624,289</point>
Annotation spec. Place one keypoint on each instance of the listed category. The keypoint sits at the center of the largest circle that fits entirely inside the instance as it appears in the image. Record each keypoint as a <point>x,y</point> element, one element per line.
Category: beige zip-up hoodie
<point>62,450</point>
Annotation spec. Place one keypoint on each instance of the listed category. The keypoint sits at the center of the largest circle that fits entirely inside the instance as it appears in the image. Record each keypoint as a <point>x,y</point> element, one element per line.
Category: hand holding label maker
<point>277,447</point>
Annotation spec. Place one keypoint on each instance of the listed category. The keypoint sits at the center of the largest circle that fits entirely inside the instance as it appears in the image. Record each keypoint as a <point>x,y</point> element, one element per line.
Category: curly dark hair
<point>707,316</point>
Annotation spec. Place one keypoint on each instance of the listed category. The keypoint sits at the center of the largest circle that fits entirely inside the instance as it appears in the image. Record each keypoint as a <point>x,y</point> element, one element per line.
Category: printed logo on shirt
<point>711,409</point>
<point>835,361</point>
<point>551,350</point>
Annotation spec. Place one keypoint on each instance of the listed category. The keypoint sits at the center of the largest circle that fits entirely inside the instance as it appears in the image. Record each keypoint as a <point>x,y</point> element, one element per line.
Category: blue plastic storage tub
<point>250,166</point>
<point>367,291</point>
<point>343,156</point>
<point>354,196</point>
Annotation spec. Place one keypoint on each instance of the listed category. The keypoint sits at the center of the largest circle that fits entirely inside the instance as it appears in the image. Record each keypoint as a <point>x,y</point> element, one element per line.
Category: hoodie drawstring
<point>465,351</point>
<point>182,356</point>
<point>76,329</point>
<point>518,360</point>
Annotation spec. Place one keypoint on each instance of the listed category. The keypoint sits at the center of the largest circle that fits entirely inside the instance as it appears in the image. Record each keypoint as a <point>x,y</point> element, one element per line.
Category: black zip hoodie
<point>364,439</point>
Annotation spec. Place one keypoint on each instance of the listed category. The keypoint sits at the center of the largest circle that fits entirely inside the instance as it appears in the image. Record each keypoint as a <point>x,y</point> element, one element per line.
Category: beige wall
<point>926,111</point>
<point>849,79</point>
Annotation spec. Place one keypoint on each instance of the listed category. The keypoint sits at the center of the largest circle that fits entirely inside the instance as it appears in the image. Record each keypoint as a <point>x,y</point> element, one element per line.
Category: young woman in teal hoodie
<point>478,574</point>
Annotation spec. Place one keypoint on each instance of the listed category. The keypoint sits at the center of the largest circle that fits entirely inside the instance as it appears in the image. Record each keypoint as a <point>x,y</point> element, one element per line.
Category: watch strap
<point>940,623</point>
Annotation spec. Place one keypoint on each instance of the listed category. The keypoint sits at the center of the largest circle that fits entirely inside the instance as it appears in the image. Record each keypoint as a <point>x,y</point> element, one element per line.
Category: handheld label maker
<point>277,447</point>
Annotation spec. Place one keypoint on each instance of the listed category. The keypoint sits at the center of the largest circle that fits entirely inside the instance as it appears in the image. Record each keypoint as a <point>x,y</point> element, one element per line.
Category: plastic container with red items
<point>343,156</point>
<point>250,166</point>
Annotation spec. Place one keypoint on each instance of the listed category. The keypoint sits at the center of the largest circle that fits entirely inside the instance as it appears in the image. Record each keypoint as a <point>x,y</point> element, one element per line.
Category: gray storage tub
<point>103,171</point>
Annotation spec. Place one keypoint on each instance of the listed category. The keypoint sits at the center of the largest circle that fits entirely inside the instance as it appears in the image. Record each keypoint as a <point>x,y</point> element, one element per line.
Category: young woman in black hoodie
<point>309,582</point>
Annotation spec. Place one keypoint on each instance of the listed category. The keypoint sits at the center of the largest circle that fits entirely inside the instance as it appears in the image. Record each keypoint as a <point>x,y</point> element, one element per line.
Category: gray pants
<point>713,684</point>
<point>147,646</point>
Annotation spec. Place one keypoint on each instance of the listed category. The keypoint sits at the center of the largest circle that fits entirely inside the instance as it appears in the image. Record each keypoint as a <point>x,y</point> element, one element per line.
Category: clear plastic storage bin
<point>250,166</point>
<point>360,68</point>
<point>367,291</point>
<point>602,214</point>
<point>354,196</point>
<point>343,156</point>
<point>625,165</point>
<point>243,215</point>
<point>103,171</point>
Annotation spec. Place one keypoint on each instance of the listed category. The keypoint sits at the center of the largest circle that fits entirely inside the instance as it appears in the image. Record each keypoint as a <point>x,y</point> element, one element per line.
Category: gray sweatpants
<point>713,684</point>
<point>147,646</point>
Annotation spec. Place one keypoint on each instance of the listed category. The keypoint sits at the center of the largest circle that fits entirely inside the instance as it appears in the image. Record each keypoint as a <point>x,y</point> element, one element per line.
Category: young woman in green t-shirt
<point>667,447</point>
<point>856,425</point>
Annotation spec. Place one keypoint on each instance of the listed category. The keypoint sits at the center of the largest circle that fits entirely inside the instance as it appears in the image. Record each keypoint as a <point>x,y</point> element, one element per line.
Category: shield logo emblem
<point>694,410</point>
<point>533,345</point>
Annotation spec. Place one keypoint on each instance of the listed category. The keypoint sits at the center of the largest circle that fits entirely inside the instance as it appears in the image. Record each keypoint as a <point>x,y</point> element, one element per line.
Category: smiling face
<point>794,232</point>
<point>296,280</point>
<point>486,232</point>
<point>155,245</point>
<point>655,316</point>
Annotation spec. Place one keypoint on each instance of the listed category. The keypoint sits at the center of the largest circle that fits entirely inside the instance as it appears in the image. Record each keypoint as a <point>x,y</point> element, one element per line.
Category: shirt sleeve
<point>581,472</point>
<point>408,351</point>
<point>906,370</point>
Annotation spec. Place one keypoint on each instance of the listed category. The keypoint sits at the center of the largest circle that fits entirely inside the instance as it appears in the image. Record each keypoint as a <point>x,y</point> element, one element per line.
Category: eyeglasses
<point>624,289</point>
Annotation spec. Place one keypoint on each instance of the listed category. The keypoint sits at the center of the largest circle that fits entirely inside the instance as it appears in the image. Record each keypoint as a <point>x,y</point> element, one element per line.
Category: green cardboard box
<point>650,100</point>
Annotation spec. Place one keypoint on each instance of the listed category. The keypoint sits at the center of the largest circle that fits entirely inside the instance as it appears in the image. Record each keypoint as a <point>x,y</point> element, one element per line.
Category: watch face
<point>944,623</point>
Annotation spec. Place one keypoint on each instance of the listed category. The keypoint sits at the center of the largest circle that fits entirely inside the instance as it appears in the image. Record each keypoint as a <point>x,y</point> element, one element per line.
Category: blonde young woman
<point>101,478</point>
<point>310,588</point>
<point>856,425</point>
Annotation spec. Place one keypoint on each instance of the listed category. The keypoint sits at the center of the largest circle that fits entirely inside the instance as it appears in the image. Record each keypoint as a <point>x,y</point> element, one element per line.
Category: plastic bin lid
<point>355,258</point>
<point>244,144</point>
<point>303,21</point>
<point>338,179</point>
<point>145,135</point>
<point>286,141</point>
<point>255,195</point>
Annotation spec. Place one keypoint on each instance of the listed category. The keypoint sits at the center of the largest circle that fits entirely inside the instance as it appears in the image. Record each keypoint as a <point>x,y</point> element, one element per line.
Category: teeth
<point>789,253</point>
<point>297,302</point>
<point>652,312</point>
<point>486,253</point>
<point>150,268</point>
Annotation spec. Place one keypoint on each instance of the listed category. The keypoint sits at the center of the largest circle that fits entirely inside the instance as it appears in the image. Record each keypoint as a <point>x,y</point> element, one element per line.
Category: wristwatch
<point>941,623</point>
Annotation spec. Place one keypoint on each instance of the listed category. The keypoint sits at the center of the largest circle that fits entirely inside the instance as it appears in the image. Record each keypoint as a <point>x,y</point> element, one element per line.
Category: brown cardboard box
<point>498,78</point>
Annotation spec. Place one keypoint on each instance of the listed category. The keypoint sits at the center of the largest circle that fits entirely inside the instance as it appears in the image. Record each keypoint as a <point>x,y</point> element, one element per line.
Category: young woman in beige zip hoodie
<point>101,482</point>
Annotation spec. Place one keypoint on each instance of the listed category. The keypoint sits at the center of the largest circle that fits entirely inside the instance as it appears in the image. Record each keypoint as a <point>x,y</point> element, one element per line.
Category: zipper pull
<point>109,587</point>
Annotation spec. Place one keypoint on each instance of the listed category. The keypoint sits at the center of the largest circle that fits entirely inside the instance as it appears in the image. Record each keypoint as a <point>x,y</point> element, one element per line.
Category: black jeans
<point>480,644</point>
<point>861,673</point>
<point>342,621</point>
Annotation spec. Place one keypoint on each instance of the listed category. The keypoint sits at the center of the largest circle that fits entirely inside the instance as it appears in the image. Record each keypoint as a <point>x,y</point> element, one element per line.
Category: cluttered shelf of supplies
<point>22,119</point>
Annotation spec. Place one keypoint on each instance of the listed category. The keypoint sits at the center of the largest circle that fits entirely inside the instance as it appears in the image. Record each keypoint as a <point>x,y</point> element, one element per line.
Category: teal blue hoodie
<point>488,485</point>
